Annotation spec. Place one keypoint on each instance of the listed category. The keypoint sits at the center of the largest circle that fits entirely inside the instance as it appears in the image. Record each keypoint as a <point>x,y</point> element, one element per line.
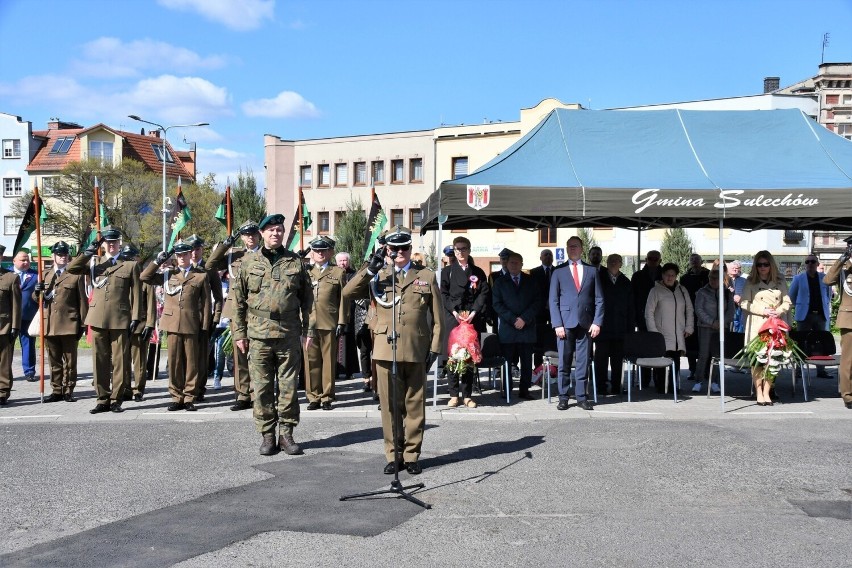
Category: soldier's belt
<point>273,315</point>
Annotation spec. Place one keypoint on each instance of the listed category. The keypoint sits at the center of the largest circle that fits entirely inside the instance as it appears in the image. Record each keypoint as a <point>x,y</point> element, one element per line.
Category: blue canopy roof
<point>754,169</point>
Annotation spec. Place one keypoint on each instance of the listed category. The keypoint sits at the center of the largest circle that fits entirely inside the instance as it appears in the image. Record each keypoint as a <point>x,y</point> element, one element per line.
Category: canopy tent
<point>773,169</point>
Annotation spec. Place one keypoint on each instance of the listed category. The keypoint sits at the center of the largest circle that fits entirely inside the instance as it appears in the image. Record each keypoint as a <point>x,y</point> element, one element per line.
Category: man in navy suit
<point>576,314</point>
<point>516,300</point>
<point>29,307</point>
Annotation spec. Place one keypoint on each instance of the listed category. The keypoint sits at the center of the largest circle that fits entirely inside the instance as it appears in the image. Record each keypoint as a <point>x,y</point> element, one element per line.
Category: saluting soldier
<point>10,326</point>
<point>186,317</point>
<point>115,311</point>
<point>65,309</point>
<point>328,318</point>
<point>222,257</point>
<point>418,343</point>
<point>215,283</point>
<point>272,307</point>
<point>141,336</point>
<point>841,273</point>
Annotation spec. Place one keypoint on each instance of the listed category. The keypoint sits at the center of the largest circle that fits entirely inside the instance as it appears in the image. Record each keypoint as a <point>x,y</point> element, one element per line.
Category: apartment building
<point>18,148</point>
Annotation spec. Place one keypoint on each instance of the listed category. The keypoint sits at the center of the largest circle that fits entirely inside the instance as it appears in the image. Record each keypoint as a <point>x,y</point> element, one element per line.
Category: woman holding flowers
<point>467,298</point>
<point>764,297</point>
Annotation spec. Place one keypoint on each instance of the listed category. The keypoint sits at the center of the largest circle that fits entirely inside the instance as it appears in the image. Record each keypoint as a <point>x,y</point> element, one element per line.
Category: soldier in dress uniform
<point>215,283</point>
<point>841,273</point>
<point>329,317</point>
<point>10,326</point>
<point>141,337</point>
<point>418,343</point>
<point>222,257</point>
<point>272,301</point>
<point>186,317</point>
<point>65,308</point>
<point>115,311</point>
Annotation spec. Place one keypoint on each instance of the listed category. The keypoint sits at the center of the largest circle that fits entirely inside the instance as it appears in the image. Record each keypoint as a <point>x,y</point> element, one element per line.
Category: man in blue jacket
<point>29,307</point>
<point>813,301</point>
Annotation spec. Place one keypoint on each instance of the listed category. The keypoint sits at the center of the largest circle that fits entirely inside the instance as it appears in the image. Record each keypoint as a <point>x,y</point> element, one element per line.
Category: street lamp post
<point>163,154</point>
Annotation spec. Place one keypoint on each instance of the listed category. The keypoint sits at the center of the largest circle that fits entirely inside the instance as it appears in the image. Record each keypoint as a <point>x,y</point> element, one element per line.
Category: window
<point>11,187</point>
<point>101,151</point>
<point>49,185</point>
<point>845,130</point>
<point>360,173</point>
<point>847,99</point>
<point>397,168</point>
<point>378,173</point>
<point>832,99</point>
<point>415,170</point>
<point>415,219</point>
<point>158,151</point>
<point>547,237</point>
<point>305,176</point>
<point>322,220</point>
<point>459,167</point>
<point>341,175</point>
<point>11,148</point>
<point>62,145</point>
<point>11,225</point>
<point>396,217</point>
<point>324,175</point>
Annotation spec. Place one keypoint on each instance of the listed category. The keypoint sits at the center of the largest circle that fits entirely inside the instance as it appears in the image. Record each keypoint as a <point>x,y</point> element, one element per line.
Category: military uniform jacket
<point>272,301</point>
<point>65,302</point>
<point>116,292</point>
<point>232,259</point>
<point>149,307</point>
<point>10,302</point>
<point>186,308</point>
<point>419,321</point>
<point>330,307</point>
<point>844,312</point>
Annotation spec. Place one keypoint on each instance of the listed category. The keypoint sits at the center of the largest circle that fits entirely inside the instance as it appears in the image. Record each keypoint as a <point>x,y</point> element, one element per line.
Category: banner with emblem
<point>179,216</point>
<point>28,224</point>
<point>375,223</point>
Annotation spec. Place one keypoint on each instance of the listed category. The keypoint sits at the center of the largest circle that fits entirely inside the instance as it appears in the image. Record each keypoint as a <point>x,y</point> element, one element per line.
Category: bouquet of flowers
<point>463,348</point>
<point>771,349</point>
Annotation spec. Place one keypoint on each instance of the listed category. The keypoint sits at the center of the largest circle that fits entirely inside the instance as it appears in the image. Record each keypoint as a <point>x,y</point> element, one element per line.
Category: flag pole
<point>301,214</point>
<point>228,220</point>
<point>97,214</point>
<point>36,202</point>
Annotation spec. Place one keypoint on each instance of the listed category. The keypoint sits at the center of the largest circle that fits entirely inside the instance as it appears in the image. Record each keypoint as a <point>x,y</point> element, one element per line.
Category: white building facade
<point>18,147</point>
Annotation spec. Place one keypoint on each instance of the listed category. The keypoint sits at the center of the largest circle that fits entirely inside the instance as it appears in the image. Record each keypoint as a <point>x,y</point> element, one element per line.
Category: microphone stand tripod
<point>396,487</point>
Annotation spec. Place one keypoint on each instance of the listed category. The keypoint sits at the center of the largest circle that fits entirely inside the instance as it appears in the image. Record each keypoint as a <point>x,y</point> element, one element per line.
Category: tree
<point>203,200</point>
<point>677,246</point>
<point>350,230</point>
<point>248,203</point>
<point>588,241</point>
<point>430,259</point>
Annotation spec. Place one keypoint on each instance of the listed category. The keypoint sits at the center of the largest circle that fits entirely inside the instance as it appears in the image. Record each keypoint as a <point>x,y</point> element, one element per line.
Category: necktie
<point>402,274</point>
<point>576,275</point>
<point>517,280</point>
<point>547,273</point>
<point>22,278</point>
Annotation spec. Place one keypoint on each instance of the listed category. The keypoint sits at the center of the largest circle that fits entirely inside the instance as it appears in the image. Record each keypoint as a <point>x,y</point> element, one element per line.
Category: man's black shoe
<point>391,467</point>
<point>116,407</point>
<point>563,405</point>
<point>326,405</point>
<point>241,405</point>
<point>848,405</point>
<point>199,398</point>
<point>413,468</point>
<point>53,398</point>
<point>3,400</point>
<point>69,397</point>
<point>526,396</point>
<point>128,395</point>
<point>31,378</point>
<point>138,397</point>
<point>175,406</point>
<point>314,405</point>
<point>189,407</point>
<point>585,405</point>
<point>99,408</point>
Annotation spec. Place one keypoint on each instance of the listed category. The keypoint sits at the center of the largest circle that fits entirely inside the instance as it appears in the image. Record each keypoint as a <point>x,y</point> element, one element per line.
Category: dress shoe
<point>189,407</point>
<point>54,397</point>
<point>391,467</point>
<point>175,406</point>
<point>413,468</point>
<point>241,405</point>
<point>585,405</point>
<point>563,405</point>
<point>4,400</point>
<point>326,405</point>
<point>31,378</point>
<point>99,408</point>
<point>288,445</point>
<point>526,396</point>
<point>128,396</point>
<point>138,397</point>
<point>848,404</point>
<point>116,407</point>
<point>69,397</point>
<point>268,447</point>
<point>314,405</point>
<point>199,398</point>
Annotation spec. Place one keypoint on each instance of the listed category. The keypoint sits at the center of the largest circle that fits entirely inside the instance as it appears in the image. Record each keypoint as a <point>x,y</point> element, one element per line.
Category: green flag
<point>294,236</point>
<point>92,230</point>
<point>375,223</point>
<point>178,218</point>
<point>28,224</point>
<point>222,211</point>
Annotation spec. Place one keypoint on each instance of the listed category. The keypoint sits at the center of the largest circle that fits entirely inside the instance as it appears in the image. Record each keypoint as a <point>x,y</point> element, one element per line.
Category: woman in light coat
<point>669,311</point>
<point>764,295</point>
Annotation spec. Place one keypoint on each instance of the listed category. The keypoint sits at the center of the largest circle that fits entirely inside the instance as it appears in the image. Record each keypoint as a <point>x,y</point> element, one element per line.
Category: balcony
<point>792,237</point>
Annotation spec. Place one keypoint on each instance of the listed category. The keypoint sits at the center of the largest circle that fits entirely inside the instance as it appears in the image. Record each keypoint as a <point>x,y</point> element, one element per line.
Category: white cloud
<point>112,57</point>
<point>175,99</point>
<point>43,88</point>
<point>287,104</point>
<point>241,16</point>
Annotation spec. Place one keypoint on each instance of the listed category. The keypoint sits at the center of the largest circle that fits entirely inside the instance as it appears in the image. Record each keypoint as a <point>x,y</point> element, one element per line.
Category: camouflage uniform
<point>273,299</point>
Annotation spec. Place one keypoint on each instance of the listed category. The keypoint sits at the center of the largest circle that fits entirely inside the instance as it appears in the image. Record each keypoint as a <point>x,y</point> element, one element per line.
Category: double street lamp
<point>163,156</point>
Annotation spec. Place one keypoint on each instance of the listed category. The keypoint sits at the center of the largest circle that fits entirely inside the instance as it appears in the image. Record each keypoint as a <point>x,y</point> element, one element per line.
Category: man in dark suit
<point>642,283</point>
<point>28,279</point>
<point>576,313</point>
<point>619,320</point>
<point>517,301</point>
<point>491,317</point>
<point>545,337</point>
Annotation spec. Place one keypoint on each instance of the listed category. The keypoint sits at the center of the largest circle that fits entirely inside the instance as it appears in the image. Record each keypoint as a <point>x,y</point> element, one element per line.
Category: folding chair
<point>734,342</point>
<point>647,349</point>
<point>492,358</point>
<point>820,349</point>
<point>554,355</point>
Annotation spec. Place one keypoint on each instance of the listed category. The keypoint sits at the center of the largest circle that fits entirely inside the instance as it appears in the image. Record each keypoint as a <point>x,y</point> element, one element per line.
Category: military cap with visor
<point>110,233</point>
<point>398,236</point>
<point>128,252</point>
<point>248,228</point>
<point>60,247</point>
<point>322,243</point>
<point>182,247</point>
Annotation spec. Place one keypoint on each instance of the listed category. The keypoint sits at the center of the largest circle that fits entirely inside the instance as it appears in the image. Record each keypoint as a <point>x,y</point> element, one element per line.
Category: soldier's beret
<point>60,247</point>
<point>128,252</point>
<point>449,251</point>
<point>398,236</point>
<point>248,228</point>
<point>181,247</point>
<point>322,243</point>
<point>110,233</point>
<point>504,253</point>
<point>195,241</point>
<point>274,219</point>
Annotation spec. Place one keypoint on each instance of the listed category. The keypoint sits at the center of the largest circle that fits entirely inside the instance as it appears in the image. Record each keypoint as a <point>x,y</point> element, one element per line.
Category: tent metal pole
<point>721,314</point>
<point>439,253</point>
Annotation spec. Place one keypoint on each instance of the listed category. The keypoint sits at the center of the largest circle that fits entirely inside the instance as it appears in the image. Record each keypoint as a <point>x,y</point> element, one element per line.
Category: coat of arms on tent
<point>478,196</point>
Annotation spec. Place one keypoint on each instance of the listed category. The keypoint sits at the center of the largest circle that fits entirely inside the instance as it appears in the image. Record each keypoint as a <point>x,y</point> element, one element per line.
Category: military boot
<point>287,444</point>
<point>268,447</point>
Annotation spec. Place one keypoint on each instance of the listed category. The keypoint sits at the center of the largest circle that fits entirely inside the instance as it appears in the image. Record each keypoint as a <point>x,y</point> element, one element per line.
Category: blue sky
<point>313,69</point>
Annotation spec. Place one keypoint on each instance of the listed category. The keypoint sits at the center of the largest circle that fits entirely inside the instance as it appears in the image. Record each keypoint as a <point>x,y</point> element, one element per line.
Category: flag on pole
<point>375,223</point>
<point>178,217</point>
<point>28,224</point>
<point>222,213</point>
<point>92,230</point>
<point>295,237</point>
